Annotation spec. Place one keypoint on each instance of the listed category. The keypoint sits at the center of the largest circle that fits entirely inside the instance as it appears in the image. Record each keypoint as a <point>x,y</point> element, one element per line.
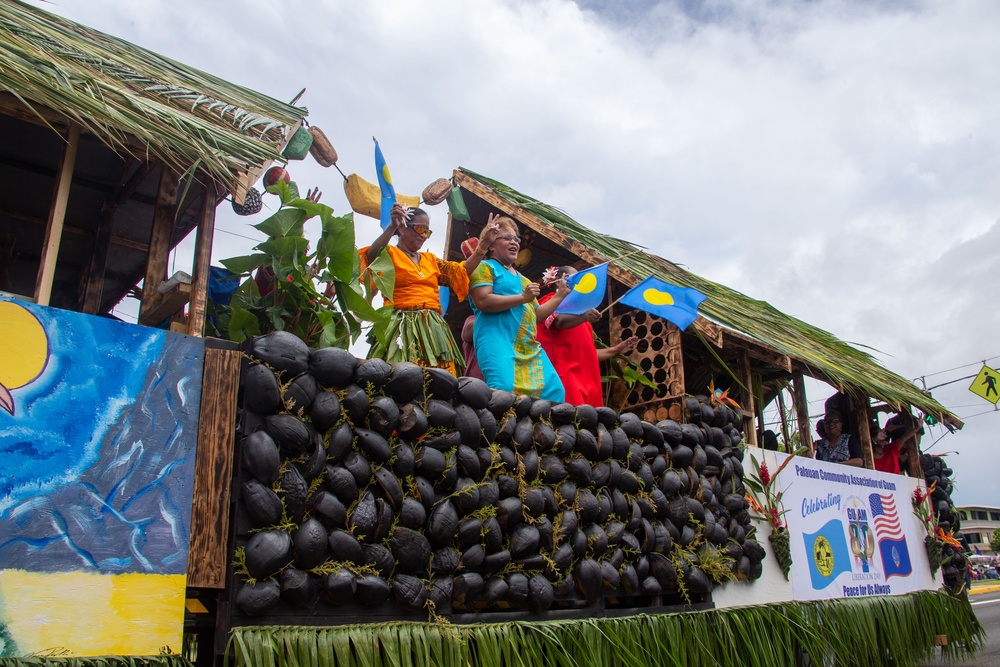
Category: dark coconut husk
<point>440,384</point>
<point>426,492</point>
<point>329,509</point>
<point>600,474</point>
<point>563,557</point>
<point>631,424</point>
<point>372,374</point>
<point>445,561</point>
<point>340,586</point>
<point>661,569</point>
<point>261,457</point>
<point>445,484</point>
<point>579,470</point>
<point>605,506</point>
<point>294,490</point>
<point>358,466</point>
<point>412,421</point>
<point>634,457</point>
<point>566,495</point>
<point>379,556</point>
<point>440,414</point>
<point>717,441</point>
<point>496,561</point>
<point>742,568</point>
<point>607,416</point>
<point>692,409</point>
<point>261,392</point>
<point>383,416</point>
<point>562,413</point>
<point>546,533</point>
<point>613,531</point>
<point>345,547</point>
<point>500,402</point>
<point>541,595</point>
<point>338,442</point>
<point>508,460</point>
<point>630,580</point>
<point>634,517</point>
<point>719,535</point>
<point>523,434</point>
<point>404,461</point>
<point>299,394</point>
<point>314,465</point>
<point>487,427</point>
<point>565,440</point>
<point>256,599</point>
<point>540,409</point>
<point>650,586</point>
<point>564,588</point>
<point>605,445</point>
<point>627,481</point>
<point>354,403</point>
<point>374,446</point>
<point>262,504</point>
<point>695,509</point>
<point>610,577</point>
<point>296,587</point>
<point>283,351</point>
<point>697,581</point>
<point>408,592</point>
<point>754,550</point>
<point>631,542</point>
<point>467,424</point>
<point>325,411</point>
<point>691,435</point>
<point>552,470</point>
<point>614,474</point>
<point>470,531</point>
<point>651,453</point>
<point>543,436</point>
<point>472,558</point>
<point>310,542</point>
<point>700,459</point>
<point>332,366</point>
<point>474,392</point>
<point>524,540</point>
<point>291,434</point>
<point>267,552</point>
<point>389,488</point>
<point>465,588</point>
<point>506,428</point>
<point>489,493</point>
<point>588,508</point>
<point>412,513</point>
<point>530,461</point>
<point>509,512</point>
<point>442,522</point>
<point>443,442</point>
<point>589,579</point>
<point>681,456</point>
<point>586,445</point>
<point>342,484</point>
<point>430,462</point>
<point>411,550</point>
<point>661,537</point>
<point>466,496</point>
<point>597,540</point>
<point>586,417</point>
<point>659,503</point>
<point>708,414</point>
<point>651,435</point>
<point>493,535</point>
<point>494,590</point>
<point>371,591</point>
<point>468,462</point>
<point>509,486</point>
<point>688,536</point>
<point>517,589</point>
<point>363,517</point>
<point>620,506</point>
<point>677,511</point>
<point>551,505</point>
<point>405,382</point>
<point>522,406</point>
<point>672,432</point>
<point>645,474</point>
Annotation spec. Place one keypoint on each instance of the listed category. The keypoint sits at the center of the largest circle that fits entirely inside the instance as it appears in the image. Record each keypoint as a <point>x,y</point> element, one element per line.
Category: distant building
<point>978,524</point>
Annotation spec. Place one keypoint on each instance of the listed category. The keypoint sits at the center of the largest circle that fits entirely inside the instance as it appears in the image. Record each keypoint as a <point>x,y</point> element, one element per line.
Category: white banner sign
<point>852,531</point>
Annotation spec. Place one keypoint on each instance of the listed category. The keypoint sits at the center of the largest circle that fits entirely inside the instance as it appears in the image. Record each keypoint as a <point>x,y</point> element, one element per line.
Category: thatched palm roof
<point>820,351</point>
<point>135,100</point>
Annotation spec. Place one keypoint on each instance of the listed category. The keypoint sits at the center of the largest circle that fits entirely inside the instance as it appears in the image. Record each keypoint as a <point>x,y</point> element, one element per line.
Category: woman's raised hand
<point>562,289</point>
<point>530,292</point>
<point>397,216</point>
<point>492,230</point>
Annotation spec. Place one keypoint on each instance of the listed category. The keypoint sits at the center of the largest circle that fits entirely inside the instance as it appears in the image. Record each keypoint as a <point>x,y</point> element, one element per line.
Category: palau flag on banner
<point>385,185</point>
<point>444,295</point>
<point>674,304</point>
<point>827,553</point>
<point>588,290</point>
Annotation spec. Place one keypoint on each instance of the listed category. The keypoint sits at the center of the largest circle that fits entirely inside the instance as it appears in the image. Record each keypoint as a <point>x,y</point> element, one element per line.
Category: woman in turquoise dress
<point>506,308</point>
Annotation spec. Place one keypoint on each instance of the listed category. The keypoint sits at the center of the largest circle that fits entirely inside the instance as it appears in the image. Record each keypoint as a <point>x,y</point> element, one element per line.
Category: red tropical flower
<point>765,474</point>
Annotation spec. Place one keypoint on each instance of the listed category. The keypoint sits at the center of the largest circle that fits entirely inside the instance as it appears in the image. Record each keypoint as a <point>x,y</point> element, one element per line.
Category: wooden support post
<point>202,264</point>
<point>159,240</point>
<point>57,216</point>
<point>802,413</point>
<point>859,417</point>
<point>748,402</point>
<point>784,420</point>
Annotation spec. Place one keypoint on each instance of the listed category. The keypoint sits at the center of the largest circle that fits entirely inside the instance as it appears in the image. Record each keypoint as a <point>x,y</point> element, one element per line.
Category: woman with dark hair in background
<point>837,446</point>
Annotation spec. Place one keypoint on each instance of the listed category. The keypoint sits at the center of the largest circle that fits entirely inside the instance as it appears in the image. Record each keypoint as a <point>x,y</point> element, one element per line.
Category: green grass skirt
<point>420,336</point>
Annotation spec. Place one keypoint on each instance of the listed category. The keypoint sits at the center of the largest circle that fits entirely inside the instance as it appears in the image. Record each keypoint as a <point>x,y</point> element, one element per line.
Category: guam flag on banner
<point>588,290</point>
<point>674,304</point>
<point>889,533</point>
<point>827,553</point>
<point>385,185</point>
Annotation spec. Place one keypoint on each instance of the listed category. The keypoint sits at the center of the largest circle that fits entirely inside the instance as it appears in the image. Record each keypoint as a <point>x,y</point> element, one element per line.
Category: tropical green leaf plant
<point>291,271</point>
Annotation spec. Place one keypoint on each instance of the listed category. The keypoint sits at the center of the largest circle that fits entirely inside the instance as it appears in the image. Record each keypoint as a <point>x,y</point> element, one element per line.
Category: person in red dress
<point>569,342</point>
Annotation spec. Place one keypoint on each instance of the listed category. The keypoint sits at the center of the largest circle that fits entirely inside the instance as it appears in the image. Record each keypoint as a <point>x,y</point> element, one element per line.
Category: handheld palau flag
<point>674,304</point>
<point>588,290</point>
<point>444,295</point>
<point>827,553</point>
<point>385,185</point>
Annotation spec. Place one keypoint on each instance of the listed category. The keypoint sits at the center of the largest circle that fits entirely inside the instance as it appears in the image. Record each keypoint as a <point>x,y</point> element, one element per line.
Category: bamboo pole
<point>802,413</point>
<point>57,217</point>
<point>202,263</point>
<point>784,420</point>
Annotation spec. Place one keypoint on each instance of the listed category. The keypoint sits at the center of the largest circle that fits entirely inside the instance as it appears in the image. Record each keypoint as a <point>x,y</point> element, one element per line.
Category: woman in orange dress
<point>416,330</point>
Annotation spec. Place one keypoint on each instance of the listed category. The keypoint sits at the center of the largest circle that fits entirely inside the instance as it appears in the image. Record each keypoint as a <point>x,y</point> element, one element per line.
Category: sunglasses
<point>832,421</point>
<point>510,237</point>
<point>422,230</point>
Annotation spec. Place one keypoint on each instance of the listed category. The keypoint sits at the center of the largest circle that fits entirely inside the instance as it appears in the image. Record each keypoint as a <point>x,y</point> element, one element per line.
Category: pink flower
<point>765,474</point>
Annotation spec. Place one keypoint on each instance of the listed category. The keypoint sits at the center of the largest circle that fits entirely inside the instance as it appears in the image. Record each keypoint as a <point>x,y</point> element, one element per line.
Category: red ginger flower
<point>765,474</point>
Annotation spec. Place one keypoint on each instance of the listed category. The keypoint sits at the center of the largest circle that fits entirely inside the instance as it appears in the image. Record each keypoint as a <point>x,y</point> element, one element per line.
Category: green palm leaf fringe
<point>174,660</point>
<point>897,630</point>
<point>841,363</point>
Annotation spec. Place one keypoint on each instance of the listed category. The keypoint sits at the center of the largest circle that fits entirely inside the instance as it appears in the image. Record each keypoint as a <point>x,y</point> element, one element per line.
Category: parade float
<point>171,498</point>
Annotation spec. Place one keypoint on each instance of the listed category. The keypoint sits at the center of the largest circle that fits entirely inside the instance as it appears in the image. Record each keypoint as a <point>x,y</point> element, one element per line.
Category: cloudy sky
<point>838,159</point>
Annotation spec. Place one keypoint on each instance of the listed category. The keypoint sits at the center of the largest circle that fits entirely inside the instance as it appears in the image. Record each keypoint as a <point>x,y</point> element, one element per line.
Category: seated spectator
<point>837,446</point>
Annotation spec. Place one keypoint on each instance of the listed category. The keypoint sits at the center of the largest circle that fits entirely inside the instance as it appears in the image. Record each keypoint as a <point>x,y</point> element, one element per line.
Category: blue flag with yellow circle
<point>674,304</point>
<point>385,186</point>
<point>588,290</point>
<point>826,551</point>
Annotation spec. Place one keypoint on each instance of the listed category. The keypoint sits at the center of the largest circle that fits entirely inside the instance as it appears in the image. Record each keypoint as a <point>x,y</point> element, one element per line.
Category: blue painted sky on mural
<point>95,369</point>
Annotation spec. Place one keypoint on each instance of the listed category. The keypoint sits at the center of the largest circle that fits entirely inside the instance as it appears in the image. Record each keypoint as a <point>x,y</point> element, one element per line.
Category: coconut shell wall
<point>368,491</point>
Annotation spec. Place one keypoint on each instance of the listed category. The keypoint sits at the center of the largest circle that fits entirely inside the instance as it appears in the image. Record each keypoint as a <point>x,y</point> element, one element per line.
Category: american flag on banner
<point>884,517</point>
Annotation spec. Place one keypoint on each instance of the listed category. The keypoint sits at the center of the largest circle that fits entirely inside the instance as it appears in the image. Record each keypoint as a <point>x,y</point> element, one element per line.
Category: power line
<point>957,368</point>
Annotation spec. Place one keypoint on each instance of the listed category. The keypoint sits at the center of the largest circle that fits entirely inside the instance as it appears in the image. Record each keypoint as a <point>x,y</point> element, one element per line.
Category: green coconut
<point>332,366</point>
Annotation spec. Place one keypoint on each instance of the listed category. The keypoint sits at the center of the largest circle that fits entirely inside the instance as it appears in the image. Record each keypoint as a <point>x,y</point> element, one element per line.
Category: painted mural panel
<point>98,431</point>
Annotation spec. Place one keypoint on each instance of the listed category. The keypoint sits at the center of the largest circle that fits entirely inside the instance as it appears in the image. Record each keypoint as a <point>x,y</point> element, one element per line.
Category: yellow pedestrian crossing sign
<point>987,384</point>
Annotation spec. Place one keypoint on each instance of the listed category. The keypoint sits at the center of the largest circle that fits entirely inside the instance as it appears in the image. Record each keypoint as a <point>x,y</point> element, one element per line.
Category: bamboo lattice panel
<point>659,355</point>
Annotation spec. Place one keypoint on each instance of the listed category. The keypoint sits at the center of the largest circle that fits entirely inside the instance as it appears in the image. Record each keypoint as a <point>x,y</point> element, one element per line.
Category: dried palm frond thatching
<point>137,101</point>
<point>838,362</point>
